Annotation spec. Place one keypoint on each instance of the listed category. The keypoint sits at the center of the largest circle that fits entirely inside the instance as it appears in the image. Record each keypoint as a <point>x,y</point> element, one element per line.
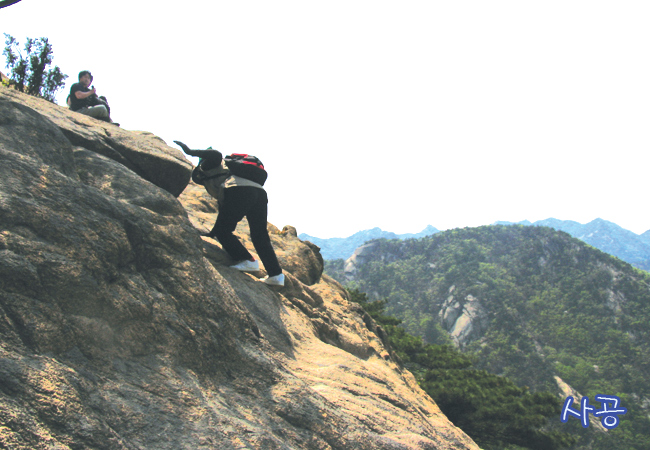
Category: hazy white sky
<point>394,114</point>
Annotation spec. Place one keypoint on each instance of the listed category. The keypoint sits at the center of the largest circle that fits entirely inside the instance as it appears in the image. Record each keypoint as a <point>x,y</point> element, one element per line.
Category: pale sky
<point>390,114</point>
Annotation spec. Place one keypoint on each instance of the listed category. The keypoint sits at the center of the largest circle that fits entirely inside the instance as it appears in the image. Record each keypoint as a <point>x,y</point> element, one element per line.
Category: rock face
<point>359,258</point>
<point>122,328</point>
<point>466,319</point>
<point>27,131</point>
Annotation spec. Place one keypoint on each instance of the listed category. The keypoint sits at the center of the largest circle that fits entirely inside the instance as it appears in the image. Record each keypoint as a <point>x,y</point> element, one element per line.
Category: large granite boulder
<point>25,119</point>
<point>122,328</point>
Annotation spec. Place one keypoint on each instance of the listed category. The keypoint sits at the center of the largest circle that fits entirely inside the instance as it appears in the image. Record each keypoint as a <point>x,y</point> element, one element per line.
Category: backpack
<point>246,166</point>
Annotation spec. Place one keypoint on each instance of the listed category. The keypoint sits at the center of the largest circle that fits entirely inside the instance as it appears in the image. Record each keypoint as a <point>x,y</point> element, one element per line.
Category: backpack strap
<point>217,175</point>
<point>201,176</point>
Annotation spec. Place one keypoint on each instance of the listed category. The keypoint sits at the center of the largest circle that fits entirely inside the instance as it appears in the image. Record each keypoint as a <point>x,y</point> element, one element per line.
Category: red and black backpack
<point>246,166</point>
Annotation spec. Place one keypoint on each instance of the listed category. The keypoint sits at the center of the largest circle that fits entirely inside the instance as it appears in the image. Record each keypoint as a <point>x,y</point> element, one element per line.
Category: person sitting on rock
<point>238,197</point>
<point>84,100</point>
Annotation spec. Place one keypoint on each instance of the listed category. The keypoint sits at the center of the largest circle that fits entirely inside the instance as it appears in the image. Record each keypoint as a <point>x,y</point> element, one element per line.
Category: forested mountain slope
<point>533,303</point>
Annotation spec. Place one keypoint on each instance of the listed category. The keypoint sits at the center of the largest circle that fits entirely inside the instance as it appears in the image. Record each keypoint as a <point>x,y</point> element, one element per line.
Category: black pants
<point>249,202</point>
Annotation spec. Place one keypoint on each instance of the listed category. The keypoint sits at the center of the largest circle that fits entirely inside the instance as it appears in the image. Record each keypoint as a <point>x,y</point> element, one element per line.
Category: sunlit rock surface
<point>122,328</point>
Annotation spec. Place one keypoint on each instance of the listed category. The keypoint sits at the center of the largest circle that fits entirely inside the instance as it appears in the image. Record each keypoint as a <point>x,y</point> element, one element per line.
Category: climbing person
<point>236,181</point>
<point>84,100</point>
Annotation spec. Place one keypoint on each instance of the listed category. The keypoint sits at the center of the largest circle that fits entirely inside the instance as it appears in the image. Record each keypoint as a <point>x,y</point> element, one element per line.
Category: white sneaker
<point>276,280</point>
<point>247,266</point>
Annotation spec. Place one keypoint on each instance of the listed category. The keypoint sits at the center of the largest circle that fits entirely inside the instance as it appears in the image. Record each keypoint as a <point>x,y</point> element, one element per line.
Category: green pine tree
<point>492,410</point>
<point>30,72</point>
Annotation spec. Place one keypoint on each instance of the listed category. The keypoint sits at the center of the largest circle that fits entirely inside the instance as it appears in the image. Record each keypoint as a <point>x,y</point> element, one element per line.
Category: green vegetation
<point>334,268</point>
<point>549,306</point>
<point>29,72</point>
<point>491,409</point>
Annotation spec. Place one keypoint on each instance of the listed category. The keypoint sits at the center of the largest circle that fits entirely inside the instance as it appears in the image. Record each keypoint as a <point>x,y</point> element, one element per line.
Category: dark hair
<point>85,72</point>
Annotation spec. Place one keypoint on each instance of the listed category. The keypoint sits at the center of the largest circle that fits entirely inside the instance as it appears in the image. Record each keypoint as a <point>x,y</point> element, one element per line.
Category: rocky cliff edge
<point>122,328</point>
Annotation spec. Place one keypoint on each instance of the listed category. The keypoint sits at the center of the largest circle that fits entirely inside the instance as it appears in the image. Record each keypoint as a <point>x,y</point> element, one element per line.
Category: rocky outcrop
<point>27,131</point>
<point>360,256</point>
<point>122,328</point>
<point>465,319</point>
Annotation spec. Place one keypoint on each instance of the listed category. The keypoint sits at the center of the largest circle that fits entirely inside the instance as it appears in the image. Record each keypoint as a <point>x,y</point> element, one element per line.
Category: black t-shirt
<point>76,103</point>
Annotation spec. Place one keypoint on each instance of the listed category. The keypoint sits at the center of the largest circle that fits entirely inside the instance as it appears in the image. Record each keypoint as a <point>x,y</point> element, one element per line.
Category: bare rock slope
<point>122,328</point>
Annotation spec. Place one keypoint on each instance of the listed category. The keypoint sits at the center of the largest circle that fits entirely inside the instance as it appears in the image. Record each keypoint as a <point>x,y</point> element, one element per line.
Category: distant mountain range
<point>602,234</point>
<point>342,248</point>
<point>606,236</point>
